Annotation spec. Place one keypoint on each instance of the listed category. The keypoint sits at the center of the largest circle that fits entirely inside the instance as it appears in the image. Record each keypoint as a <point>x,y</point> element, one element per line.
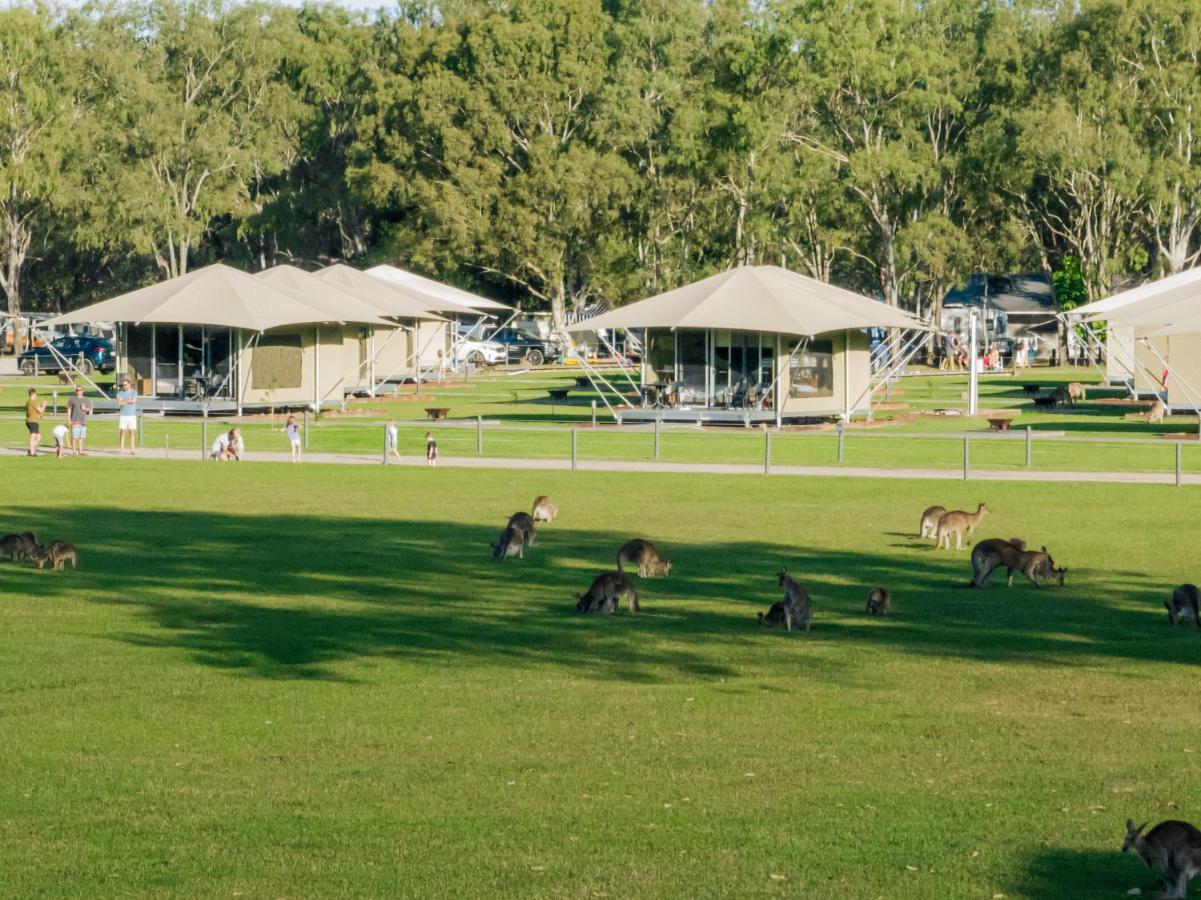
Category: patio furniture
<point>558,395</point>
<point>999,423</point>
<point>436,412</point>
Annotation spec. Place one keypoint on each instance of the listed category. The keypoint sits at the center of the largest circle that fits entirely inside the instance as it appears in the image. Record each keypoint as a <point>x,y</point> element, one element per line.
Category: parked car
<point>481,353</point>
<point>525,346</point>
<point>89,354</point>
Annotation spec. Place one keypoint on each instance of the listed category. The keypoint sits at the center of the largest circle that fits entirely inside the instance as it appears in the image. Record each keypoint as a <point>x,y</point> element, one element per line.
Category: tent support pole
<point>909,348</point>
<point>1185,386</point>
<point>68,364</point>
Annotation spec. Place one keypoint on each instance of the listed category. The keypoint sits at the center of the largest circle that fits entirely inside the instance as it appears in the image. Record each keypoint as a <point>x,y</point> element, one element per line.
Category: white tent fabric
<point>341,305</point>
<point>435,289</point>
<point>216,295</point>
<point>755,298</point>
<point>388,299</point>
<point>1157,302</point>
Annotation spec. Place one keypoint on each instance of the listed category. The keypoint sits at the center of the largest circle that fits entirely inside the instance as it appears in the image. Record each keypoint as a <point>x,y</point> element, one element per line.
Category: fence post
<point>306,428</point>
<point>593,413</point>
<point>1029,444</point>
<point>385,444</point>
<point>766,451</point>
<point>656,437</point>
<point>141,430</point>
<point>839,426</point>
<point>479,435</point>
<point>167,445</point>
<point>575,450</point>
<point>204,438</point>
<point>966,455</point>
<point>56,401</point>
<point>1179,463</point>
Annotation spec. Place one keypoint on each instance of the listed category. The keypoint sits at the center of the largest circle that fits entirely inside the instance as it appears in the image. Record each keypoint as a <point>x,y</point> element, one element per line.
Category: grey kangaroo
<point>928,526</point>
<point>792,612</point>
<point>524,523</point>
<point>18,545</point>
<point>879,602</point>
<point>511,543</point>
<point>1172,845</point>
<point>993,553</point>
<point>1185,599</point>
<point>606,593</point>
<point>544,510</point>
<point>643,555</point>
<point>58,554</point>
<point>956,522</point>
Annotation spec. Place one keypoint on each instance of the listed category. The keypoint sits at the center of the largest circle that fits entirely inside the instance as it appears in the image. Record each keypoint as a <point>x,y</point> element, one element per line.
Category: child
<point>393,440</point>
<point>431,449</point>
<point>293,432</point>
<point>60,440</point>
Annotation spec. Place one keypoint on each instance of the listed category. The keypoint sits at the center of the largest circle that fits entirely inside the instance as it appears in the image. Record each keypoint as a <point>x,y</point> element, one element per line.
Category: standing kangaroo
<point>929,523</point>
<point>1156,413</point>
<point>1076,391</point>
<point>1174,846</point>
<point>544,510</point>
<point>794,611</point>
<point>956,523</point>
<point>1184,598</point>
<point>643,555</point>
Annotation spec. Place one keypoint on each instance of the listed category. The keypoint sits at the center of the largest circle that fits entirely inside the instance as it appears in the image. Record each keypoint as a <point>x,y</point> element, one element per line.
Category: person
<point>960,353</point>
<point>228,446</point>
<point>78,409</point>
<point>293,432</point>
<point>950,351</point>
<point>33,420</point>
<point>127,420</point>
<point>431,449</point>
<point>60,440</point>
<point>393,440</point>
<point>992,359</point>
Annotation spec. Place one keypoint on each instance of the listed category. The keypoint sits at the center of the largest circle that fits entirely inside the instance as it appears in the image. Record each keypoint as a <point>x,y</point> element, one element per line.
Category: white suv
<point>481,353</point>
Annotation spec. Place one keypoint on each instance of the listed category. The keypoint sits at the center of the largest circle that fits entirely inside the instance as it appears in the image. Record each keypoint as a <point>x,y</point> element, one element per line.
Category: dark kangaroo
<point>794,611</point>
<point>524,523</point>
<point>879,602</point>
<point>642,554</point>
<point>605,594</point>
<point>18,545</point>
<point>1174,846</point>
<point>989,555</point>
<point>1185,599</point>
<point>511,543</point>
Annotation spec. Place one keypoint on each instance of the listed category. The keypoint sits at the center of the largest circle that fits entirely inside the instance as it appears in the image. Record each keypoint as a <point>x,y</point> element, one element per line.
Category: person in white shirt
<point>228,446</point>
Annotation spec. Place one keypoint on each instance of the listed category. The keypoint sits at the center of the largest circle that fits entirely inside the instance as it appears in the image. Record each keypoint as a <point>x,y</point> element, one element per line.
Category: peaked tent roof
<point>755,298</point>
<point>435,289</point>
<point>1161,297</point>
<point>217,295</point>
<point>388,299</point>
<point>342,305</point>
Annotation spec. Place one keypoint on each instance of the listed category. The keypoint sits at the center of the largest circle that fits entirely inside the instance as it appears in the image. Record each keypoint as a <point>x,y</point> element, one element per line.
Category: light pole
<point>972,379</point>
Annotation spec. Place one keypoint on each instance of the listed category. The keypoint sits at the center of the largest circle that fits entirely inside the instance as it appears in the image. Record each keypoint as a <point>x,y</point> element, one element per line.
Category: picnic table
<point>583,381</point>
<point>558,395</point>
<point>999,423</point>
<point>436,412</point>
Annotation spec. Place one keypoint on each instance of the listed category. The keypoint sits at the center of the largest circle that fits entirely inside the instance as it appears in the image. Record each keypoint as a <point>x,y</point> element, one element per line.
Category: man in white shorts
<point>127,422</point>
<point>60,440</point>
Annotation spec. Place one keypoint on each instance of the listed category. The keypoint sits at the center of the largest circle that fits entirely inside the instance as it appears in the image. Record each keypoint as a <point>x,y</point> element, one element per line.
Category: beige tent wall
<point>430,338</point>
<point>1148,366</point>
<point>267,372</point>
<point>1119,354</point>
<point>849,374</point>
<point>1184,382</point>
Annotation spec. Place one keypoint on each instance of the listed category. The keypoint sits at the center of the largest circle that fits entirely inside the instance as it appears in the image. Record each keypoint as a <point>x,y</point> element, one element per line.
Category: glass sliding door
<point>693,366</point>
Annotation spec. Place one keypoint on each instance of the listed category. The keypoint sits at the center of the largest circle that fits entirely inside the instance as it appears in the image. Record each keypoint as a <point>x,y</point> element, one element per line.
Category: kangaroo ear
<point>1140,828</point>
<point>1044,548</point>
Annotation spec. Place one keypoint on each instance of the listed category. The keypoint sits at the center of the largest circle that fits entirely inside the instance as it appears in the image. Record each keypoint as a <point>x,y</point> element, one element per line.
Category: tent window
<point>661,354</point>
<point>278,363</point>
<point>811,372</point>
<point>139,351</point>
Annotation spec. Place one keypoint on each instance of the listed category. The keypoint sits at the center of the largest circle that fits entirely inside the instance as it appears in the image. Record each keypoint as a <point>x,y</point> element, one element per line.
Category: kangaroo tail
<point>620,567</point>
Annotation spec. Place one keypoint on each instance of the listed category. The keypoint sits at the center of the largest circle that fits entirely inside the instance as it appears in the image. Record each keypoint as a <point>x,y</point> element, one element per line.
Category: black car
<point>88,354</point>
<point>525,346</point>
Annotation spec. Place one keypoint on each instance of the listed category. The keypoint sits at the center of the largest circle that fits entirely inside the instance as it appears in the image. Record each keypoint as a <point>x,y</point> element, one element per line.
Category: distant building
<point>1013,306</point>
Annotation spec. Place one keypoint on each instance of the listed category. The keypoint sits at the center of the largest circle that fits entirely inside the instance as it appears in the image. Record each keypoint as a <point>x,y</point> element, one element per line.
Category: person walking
<point>431,449</point>
<point>293,432</point>
<point>127,420</point>
<point>78,410</point>
<point>33,420</point>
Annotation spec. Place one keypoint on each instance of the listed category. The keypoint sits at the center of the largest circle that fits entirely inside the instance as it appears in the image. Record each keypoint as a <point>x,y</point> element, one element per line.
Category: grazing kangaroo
<point>1174,846</point>
<point>1077,391</point>
<point>57,553</point>
<point>511,543</point>
<point>544,510</point>
<point>18,545</point>
<point>64,378</point>
<point>643,555</point>
<point>989,555</point>
<point>956,523</point>
<point>1185,599</point>
<point>794,611</point>
<point>929,524</point>
<point>606,593</point>
<point>1031,390</point>
<point>1156,413</point>
<point>524,523</point>
<point>1049,402</point>
<point>879,602</point>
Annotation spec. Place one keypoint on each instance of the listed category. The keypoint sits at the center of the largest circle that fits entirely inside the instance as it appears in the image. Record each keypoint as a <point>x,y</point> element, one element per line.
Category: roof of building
<point>1018,293</point>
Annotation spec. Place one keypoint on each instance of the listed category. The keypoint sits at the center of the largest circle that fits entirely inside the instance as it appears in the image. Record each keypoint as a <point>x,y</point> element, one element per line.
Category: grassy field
<point>312,681</point>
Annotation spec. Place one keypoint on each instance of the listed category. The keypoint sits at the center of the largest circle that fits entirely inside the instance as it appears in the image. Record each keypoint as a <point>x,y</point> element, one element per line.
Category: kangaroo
<point>511,543</point>
<point>1049,402</point>
<point>18,545</point>
<point>929,522</point>
<point>1031,390</point>
<point>879,602</point>
<point>956,523</point>
<point>62,552</point>
<point>989,555</point>
<point>64,378</point>
<point>606,593</point>
<point>524,523</point>
<point>794,611</point>
<point>1077,391</point>
<point>1185,599</point>
<point>644,555</point>
<point>1174,845</point>
<point>1156,413</point>
<point>544,510</point>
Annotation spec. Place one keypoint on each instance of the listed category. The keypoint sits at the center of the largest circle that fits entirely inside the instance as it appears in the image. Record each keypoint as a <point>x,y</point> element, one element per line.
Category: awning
<point>756,298</point>
<point>388,299</point>
<point>436,289</point>
<point>341,305</point>
<point>217,295</point>
<point>1156,303</point>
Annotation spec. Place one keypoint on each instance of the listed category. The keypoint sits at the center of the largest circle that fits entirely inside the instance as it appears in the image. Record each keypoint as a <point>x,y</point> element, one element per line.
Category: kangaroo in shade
<point>524,523</point>
<point>1172,845</point>
<point>642,554</point>
<point>993,553</point>
<point>879,602</point>
<point>18,545</point>
<point>1186,599</point>
<point>605,594</point>
<point>511,543</point>
<point>58,554</point>
<point>928,526</point>
<point>794,610</point>
<point>544,510</point>
<point>956,523</point>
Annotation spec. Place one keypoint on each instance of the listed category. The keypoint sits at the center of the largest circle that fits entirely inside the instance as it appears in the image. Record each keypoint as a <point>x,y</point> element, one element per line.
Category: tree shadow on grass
<point>1085,873</point>
<point>292,596</point>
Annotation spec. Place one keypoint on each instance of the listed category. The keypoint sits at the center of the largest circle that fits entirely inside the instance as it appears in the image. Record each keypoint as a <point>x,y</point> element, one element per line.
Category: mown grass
<point>311,681</point>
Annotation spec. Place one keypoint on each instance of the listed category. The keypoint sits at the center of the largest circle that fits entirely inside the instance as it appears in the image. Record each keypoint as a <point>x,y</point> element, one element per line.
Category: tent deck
<point>704,416</point>
<point>164,405</point>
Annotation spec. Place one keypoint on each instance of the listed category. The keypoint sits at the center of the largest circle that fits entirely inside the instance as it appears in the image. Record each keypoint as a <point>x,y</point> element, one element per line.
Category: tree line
<point>562,152</point>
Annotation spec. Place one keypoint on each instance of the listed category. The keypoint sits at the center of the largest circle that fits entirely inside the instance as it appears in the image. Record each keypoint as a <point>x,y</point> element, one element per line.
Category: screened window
<point>278,362</point>
<point>811,371</point>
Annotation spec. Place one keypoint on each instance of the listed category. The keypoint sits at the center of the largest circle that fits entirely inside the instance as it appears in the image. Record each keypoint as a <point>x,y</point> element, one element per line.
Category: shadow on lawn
<point>1086,873</point>
<point>287,596</point>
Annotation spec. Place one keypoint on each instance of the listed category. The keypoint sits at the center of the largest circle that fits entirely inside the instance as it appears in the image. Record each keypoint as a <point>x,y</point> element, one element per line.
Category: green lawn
<point>278,681</point>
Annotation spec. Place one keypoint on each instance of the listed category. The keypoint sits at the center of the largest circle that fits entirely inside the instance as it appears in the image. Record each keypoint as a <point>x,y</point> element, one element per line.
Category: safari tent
<point>751,344</point>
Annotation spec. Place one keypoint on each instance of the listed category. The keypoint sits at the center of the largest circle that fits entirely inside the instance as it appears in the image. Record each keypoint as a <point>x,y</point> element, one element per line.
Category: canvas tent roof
<point>388,299</point>
<point>1163,297</point>
<point>217,295</point>
<point>342,305</point>
<point>755,298</point>
<point>435,289</point>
